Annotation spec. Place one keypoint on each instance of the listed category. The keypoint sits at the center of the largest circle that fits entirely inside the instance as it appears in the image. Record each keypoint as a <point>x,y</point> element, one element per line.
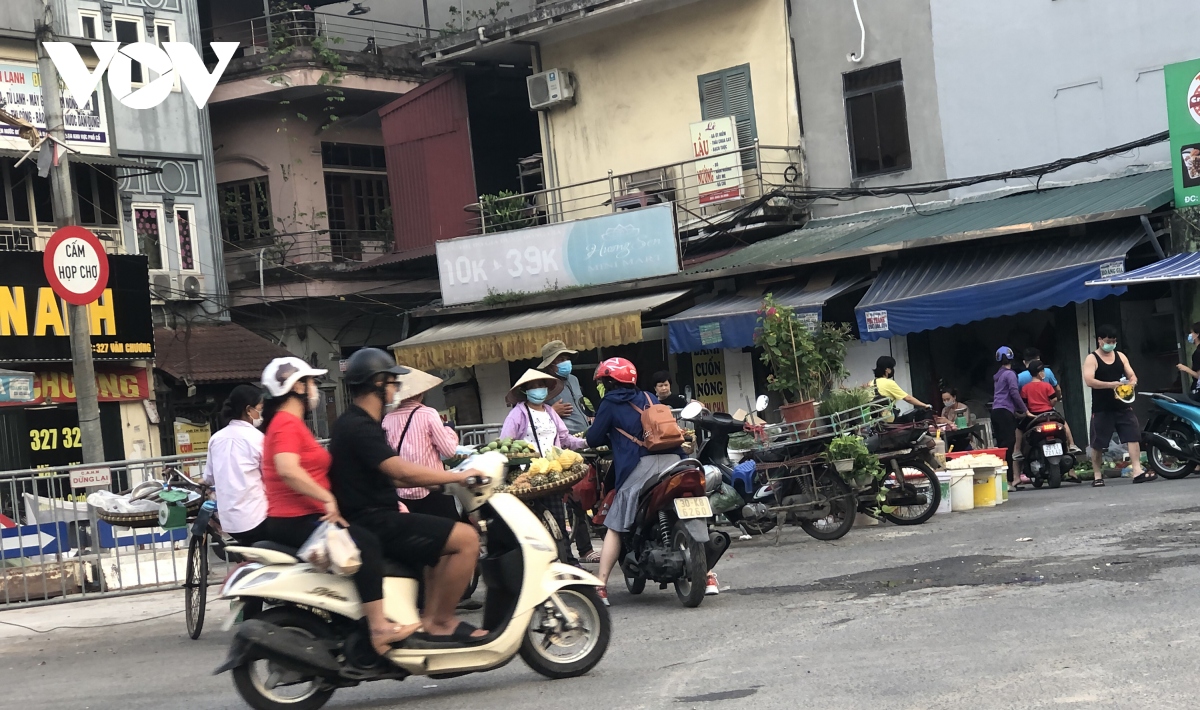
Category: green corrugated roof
<point>841,237</point>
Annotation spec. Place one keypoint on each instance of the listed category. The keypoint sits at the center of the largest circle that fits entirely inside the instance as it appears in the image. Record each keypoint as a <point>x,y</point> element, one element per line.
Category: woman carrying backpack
<point>618,425</point>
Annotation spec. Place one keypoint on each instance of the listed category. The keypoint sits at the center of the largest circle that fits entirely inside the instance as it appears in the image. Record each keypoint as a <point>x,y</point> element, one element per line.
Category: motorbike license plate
<point>1052,449</point>
<point>687,508</point>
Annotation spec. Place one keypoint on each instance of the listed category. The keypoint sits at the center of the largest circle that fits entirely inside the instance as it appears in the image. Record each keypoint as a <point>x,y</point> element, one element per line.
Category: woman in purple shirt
<point>1007,405</point>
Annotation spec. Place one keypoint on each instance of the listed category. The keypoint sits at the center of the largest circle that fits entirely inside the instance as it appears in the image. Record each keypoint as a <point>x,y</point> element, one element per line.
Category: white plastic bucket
<point>962,490</point>
<point>944,481</point>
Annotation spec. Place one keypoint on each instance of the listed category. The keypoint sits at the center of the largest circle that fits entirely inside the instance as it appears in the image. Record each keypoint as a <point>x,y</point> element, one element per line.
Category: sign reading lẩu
<point>34,326</point>
<point>1183,119</point>
<point>627,245</point>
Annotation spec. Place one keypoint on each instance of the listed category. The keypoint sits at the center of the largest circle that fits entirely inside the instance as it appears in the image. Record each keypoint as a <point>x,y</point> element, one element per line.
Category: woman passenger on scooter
<point>618,424</point>
<point>296,478</point>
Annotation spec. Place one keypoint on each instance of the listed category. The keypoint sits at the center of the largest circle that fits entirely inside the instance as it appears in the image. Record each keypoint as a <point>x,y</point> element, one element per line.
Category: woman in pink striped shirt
<point>418,435</point>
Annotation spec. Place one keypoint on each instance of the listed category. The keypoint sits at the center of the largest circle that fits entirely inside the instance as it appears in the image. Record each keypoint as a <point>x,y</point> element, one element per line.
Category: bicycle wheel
<point>195,585</point>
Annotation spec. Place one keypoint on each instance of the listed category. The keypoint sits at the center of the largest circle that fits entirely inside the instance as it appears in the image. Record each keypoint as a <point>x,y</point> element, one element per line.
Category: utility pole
<point>79,323</point>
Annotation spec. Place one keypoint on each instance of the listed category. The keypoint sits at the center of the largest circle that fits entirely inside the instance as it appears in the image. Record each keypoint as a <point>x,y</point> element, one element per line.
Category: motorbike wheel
<point>917,514</point>
<point>841,514</point>
<point>635,585</point>
<point>570,653</point>
<point>690,589</point>
<point>266,686</point>
<point>1166,464</point>
<point>1053,475</point>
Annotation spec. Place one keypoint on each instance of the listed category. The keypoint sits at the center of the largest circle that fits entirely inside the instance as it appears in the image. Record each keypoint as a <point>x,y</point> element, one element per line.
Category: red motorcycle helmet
<point>619,369</point>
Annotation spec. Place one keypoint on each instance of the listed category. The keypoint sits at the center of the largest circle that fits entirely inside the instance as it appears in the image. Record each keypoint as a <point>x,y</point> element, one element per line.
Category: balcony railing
<point>767,171</point>
<point>259,35</point>
<point>244,260</point>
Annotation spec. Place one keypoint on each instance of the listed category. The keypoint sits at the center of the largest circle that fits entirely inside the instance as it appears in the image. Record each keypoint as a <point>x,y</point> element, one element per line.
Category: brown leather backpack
<point>660,431</point>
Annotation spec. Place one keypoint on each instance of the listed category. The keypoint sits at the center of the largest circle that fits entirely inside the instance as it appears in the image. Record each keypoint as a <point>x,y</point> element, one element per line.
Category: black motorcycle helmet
<point>364,365</point>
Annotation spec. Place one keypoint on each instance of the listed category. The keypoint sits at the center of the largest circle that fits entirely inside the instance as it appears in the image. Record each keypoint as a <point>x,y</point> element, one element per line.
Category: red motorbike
<point>672,540</point>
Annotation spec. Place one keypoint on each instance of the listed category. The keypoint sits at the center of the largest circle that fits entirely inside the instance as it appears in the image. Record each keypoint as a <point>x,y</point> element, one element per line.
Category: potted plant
<point>845,407</point>
<point>857,466</point>
<point>804,363</point>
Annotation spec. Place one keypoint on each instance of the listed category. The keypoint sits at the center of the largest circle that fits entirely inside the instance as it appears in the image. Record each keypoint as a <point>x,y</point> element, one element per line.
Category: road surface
<point>1096,611</point>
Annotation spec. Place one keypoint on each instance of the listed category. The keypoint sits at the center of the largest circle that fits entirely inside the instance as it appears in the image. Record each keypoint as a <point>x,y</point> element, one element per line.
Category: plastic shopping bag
<point>331,549</point>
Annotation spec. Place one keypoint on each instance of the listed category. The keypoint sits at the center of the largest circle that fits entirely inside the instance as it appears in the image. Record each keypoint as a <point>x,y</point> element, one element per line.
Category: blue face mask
<point>537,395</point>
<point>1108,347</point>
<point>563,368</point>
<point>1191,337</point>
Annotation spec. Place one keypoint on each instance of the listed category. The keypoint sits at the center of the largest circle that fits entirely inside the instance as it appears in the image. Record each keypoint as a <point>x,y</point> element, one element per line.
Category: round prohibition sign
<point>76,265</point>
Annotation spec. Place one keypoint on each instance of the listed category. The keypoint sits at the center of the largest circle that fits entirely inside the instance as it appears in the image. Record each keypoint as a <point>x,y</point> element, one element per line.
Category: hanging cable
<point>862,42</point>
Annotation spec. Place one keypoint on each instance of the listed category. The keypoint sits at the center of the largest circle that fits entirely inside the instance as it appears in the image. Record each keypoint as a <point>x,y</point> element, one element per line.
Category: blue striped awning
<point>729,321</point>
<point>962,285</point>
<point>1173,268</point>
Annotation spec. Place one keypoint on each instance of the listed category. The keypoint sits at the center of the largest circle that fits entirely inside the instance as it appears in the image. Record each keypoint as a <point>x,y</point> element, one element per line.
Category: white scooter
<point>313,638</point>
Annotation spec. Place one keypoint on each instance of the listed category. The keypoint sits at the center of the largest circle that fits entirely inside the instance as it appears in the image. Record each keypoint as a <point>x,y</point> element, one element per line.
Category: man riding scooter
<point>365,474</point>
<point>1042,429</point>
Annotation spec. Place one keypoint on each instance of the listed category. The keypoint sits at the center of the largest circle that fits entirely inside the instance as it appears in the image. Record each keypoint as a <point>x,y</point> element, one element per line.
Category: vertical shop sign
<point>718,162</point>
<point>1183,119</point>
<point>708,377</point>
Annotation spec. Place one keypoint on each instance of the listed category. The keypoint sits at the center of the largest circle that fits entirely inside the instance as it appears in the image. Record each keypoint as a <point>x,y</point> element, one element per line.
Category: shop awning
<point>209,353</point>
<point>520,336</point>
<point>962,285</point>
<point>1180,267</point>
<point>90,159</point>
<point>729,321</point>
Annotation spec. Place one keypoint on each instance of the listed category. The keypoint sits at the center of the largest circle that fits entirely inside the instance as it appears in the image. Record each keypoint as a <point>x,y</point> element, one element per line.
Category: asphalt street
<point>1095,611</point>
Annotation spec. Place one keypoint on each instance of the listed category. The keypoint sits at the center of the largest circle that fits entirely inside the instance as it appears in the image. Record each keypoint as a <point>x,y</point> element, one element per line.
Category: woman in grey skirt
<point>633,466</point>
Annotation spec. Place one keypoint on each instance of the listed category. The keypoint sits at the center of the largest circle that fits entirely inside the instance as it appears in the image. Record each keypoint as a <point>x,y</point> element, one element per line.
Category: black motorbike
<point>1044,445</point>
<point>750,516</point>
<point>909,493</point>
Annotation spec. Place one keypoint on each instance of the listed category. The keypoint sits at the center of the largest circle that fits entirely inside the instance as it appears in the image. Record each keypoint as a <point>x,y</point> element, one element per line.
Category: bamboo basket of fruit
<point>518,451</point>
<point>547,476</point>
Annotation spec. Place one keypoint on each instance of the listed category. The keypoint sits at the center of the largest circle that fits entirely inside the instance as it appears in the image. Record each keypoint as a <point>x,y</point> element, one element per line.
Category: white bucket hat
<point>284,372</point>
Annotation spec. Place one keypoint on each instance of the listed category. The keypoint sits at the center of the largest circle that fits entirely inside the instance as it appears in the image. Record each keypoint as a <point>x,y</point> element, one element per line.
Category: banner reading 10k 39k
<point>623,246</point>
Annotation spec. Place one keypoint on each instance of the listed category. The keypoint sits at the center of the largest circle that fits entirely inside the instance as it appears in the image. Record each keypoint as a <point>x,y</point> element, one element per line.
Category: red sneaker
<point>711,587</point>
<point>603,592</point>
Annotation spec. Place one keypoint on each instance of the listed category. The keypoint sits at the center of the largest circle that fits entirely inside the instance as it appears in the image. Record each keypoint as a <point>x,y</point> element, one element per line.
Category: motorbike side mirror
<point>760,404</point>
<point>693,410</point>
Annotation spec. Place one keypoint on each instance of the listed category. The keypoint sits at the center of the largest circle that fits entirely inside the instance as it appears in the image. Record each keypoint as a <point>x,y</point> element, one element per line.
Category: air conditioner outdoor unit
<point>162,286</point>
<point>191,287</point>
<point>549,89</point>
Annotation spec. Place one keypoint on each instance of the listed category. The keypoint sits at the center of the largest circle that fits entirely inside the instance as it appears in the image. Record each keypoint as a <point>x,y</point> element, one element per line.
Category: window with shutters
<point>876,120</point>
<point>729,93</point>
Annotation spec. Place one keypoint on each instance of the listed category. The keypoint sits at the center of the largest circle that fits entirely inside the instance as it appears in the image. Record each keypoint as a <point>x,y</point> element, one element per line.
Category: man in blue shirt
<point>1025,377</point>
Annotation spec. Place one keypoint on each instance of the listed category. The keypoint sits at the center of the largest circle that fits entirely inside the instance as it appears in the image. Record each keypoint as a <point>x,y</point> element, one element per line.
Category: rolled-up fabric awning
<point>729,321</point>
<point>959,285</point>
<point>1180,267</point>
<point>520,336</point>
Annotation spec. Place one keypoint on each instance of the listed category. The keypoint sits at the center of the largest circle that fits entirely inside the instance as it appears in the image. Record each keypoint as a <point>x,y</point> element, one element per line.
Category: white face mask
<point>314,398</point>
<point>256,423</point>
<point>392,405</point>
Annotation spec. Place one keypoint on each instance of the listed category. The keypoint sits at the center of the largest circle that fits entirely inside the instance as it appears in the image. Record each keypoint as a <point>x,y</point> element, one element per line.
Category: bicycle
<point>204,532</point>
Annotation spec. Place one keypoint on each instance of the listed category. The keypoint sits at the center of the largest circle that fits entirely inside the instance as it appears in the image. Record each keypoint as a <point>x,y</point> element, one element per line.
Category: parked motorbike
<point>671,540</point>
<point>1045,450</point>
<point>742,511</point>
<point>910,489</point>
<point>1172,436</point>
<point>313,640</point>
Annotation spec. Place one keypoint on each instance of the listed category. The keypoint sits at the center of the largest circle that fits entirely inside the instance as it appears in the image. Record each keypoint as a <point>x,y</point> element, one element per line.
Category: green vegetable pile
<point>516,449</point>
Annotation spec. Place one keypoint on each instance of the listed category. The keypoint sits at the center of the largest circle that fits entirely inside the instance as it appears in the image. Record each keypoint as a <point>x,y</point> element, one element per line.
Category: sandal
<point>592,557</point>
<point>384,642</point>
<point>1098,483</point>
<point>1143,477</point>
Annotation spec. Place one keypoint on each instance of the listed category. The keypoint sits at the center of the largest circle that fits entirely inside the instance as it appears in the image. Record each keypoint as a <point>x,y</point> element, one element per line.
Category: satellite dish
<point>358,9</point>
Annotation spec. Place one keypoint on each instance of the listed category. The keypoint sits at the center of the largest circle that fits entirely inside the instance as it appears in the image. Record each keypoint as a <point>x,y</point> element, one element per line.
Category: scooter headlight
<point>712,478</point>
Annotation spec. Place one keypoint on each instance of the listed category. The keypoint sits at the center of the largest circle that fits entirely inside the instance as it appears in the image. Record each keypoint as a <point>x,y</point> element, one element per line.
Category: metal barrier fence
<point>60,551</point>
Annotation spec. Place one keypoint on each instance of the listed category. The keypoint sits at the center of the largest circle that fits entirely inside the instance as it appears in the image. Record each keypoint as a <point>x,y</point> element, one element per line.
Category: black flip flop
<point>1143,478</point>
<point>1097,483</point>
<point>462,634</point>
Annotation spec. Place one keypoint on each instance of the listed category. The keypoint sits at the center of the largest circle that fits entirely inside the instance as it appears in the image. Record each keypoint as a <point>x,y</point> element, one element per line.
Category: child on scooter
<point>1039,396</point>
